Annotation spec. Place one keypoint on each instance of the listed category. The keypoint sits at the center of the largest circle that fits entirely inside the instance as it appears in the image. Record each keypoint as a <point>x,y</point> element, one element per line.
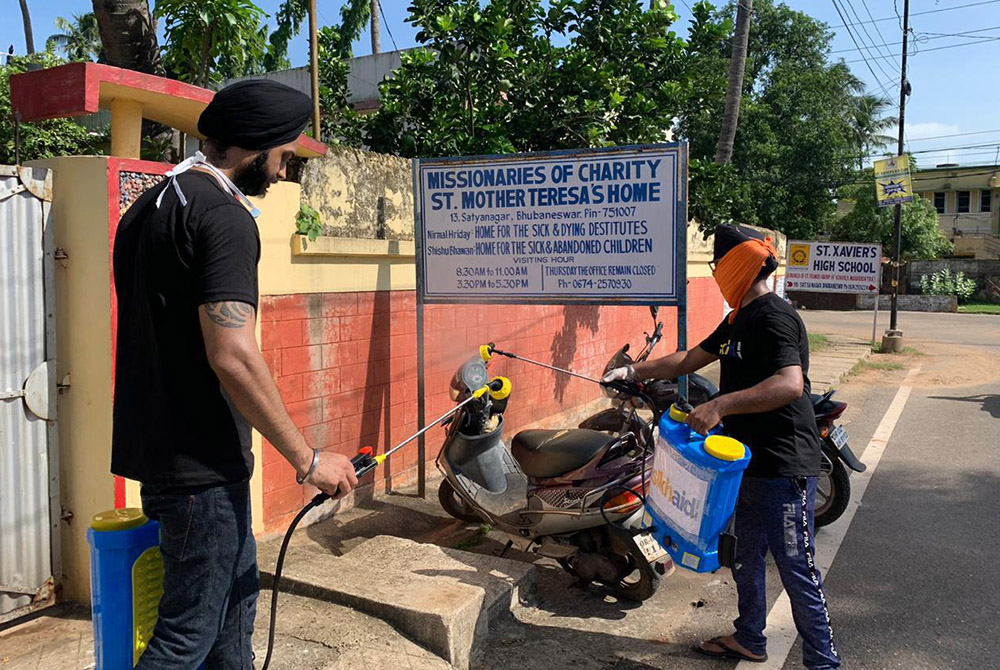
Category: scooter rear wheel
<point>454,505</point>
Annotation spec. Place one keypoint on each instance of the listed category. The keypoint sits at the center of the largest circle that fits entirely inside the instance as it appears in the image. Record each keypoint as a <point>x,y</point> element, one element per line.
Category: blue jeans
<point>210,580</point>
<point>777,515</point>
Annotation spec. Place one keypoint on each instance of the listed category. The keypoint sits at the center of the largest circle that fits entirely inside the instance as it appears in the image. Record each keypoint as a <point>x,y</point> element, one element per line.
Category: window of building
<point>962,198</point>
<point>939,202</point>
<point>986,200</point>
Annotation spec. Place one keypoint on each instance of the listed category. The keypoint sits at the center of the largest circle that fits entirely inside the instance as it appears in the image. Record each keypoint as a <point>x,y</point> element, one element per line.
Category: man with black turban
<point>764,355</point>
<point>190,380</point>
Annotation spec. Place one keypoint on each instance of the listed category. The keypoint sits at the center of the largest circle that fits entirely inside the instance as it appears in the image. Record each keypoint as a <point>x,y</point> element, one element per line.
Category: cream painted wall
<point>83,326</point>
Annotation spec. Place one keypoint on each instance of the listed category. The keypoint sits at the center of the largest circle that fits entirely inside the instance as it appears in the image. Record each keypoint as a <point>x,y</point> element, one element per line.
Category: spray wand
<point>363,463</point>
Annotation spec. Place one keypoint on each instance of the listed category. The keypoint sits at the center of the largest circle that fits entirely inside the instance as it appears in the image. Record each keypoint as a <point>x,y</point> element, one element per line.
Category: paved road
<point>962,329</point>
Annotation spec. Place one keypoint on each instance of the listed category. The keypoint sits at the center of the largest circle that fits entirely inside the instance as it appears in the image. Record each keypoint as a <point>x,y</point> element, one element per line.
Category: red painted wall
<point>346,366</point>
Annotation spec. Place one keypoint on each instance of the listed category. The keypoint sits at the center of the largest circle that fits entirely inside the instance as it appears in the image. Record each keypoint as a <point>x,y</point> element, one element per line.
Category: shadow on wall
<point>564,343</point>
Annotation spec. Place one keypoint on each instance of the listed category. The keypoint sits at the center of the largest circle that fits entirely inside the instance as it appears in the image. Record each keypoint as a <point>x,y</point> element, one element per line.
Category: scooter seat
<point>551,453</point>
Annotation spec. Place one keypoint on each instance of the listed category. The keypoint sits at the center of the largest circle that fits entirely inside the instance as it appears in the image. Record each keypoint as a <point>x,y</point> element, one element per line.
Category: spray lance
<point>365,461</point>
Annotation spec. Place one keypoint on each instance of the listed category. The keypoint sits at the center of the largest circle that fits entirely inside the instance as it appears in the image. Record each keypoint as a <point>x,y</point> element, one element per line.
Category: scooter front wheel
<point>454,505</point>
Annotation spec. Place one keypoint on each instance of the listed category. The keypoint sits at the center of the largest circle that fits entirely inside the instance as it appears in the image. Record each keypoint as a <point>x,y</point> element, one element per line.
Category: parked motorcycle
<point>571,495</point>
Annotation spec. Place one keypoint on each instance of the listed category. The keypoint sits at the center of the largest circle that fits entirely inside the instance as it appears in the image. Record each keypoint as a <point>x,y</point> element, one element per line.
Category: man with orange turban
<point>764,401</point>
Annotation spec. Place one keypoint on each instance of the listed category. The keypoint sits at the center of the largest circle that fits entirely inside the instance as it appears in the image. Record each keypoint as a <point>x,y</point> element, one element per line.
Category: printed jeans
<point>210,580</point>
<point>777,515</point>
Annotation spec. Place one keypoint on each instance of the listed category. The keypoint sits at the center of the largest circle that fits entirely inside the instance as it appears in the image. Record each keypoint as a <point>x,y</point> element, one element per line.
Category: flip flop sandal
<point>727,652</point>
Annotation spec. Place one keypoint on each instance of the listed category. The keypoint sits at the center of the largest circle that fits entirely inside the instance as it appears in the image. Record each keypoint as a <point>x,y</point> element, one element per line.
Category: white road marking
<point>780,630</point>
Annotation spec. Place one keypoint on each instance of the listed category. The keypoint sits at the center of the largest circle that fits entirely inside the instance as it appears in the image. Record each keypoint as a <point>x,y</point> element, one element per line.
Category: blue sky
<point>954,89</point>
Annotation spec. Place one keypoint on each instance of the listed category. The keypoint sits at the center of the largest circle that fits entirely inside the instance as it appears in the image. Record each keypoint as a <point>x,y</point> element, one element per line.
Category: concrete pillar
<point>126,128</point>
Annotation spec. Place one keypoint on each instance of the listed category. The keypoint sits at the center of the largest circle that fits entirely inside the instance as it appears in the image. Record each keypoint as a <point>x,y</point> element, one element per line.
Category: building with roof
<point>966,200</point>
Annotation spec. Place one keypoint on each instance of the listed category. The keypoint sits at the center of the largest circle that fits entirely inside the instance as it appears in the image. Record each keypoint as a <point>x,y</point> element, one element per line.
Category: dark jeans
<point>210,580</point>
<point>777,515</point>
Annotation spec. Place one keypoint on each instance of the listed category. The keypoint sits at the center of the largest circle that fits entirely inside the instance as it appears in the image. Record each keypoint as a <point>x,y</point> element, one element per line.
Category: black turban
<point>727,237</point>
<point>256,114</point>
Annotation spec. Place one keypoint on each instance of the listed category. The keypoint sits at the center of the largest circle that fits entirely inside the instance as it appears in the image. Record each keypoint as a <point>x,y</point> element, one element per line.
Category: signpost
<point>595,226</point>
<point>835,267</point>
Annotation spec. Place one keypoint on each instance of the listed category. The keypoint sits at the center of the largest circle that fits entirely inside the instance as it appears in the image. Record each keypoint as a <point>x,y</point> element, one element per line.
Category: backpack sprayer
<point>363,463</point>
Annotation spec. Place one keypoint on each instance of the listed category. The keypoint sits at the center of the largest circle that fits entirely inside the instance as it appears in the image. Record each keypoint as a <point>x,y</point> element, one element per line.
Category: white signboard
<point>833,267</point>
<point>590,226</point>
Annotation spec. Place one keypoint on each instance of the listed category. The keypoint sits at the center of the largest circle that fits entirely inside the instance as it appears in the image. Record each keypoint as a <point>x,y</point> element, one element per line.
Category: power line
<point>939,137</point>
<point>871,51</point>
<point>877,29</point>
<point>930,11</point>
<point>851,34</point>
<point>386,24</point>
<point>950,46</point>
<point>965,34</point>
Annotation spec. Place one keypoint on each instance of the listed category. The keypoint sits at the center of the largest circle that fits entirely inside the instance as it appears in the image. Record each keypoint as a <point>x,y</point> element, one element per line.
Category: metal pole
<point>899,152</point>
<point>878,296</point>
<point>421,409</point>
<point>680,253</point>
<point>314,69</point>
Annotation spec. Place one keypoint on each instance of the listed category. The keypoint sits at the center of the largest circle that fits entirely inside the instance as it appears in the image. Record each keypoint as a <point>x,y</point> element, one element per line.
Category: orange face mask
<point>736,272</point>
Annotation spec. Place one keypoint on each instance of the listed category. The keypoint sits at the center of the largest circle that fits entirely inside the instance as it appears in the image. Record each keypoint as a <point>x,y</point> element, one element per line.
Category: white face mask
<point>199,160</point>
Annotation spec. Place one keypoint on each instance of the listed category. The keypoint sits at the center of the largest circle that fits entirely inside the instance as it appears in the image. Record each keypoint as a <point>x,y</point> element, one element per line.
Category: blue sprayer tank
<point>693,490</point>
<point>126,579</point>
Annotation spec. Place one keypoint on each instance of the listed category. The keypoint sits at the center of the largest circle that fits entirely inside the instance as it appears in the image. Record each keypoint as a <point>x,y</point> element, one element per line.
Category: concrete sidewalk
<point>830,364</point>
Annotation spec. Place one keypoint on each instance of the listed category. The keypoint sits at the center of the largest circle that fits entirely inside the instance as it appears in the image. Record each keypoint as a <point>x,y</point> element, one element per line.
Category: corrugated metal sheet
<point>25,535</point>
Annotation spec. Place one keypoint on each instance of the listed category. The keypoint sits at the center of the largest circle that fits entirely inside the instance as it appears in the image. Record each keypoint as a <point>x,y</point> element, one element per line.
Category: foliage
<point>867,222</point>
<point>800,129</point>
<point>944,283</point>
<point>490,78</point>
<point>80,39</point>
<point>212,40</point>
<point>341,124</point>
<point>979,308</point>
<point>42,139</point>
<point>288,18</point>
<point>307,222</point>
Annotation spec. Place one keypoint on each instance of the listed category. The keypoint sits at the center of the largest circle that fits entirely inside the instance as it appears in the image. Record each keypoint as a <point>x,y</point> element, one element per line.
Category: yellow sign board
<point>798,255</point>
<point>892,181</point>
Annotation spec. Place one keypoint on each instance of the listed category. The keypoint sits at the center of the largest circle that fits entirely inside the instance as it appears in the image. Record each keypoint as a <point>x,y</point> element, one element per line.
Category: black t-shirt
<point>174,425</point>
<point>765,336</point>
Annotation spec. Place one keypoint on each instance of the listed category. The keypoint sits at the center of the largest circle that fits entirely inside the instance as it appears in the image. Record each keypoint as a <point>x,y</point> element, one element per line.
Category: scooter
<point>575,496</point>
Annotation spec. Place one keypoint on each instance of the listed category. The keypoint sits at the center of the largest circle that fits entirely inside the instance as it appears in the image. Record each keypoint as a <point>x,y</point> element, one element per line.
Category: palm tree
<point>29,35</point>
<point>734,93</point>
<point>80,39</point>
<point>869,121</point>
<point>128,34</point>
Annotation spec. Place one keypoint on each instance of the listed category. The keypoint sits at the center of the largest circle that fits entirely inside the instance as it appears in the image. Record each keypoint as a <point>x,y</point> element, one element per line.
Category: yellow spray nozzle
<point>486,353</point>
<point>504,391</point>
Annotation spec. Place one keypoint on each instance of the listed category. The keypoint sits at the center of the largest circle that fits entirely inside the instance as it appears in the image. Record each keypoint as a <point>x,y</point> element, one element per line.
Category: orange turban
<point>737,271</point>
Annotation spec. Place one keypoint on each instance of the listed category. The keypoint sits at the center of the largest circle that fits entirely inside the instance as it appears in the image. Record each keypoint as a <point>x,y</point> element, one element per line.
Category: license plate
<point>650,548</point>
<point>839,437</point>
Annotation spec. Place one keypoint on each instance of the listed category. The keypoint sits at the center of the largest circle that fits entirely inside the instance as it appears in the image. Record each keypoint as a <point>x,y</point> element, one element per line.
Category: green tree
<point>922,237</point>
<point>211,40</point>
<point>514,75</point>
<point>80,39</point>
<point>41,139</point>
<point>797,140</point>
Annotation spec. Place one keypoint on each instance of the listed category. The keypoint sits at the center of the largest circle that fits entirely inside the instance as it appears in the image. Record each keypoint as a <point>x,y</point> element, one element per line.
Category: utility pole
<point>314,69</point>
<point>376,29</point>
<point>893,338</point>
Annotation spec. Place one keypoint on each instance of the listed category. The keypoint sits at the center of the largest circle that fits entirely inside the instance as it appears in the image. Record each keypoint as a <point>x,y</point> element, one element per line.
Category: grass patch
<point>979,308</point>
<point>475,540</point>
<point>818,342</point>
<point>864,366</point>
<point>907,351</point>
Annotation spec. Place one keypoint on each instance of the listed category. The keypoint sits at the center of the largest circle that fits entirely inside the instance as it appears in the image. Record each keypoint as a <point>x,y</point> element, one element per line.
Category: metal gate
<point>29,472</point>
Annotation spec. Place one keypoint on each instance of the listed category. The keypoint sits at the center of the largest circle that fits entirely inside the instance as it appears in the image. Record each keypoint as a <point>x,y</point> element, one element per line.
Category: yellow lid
<point>118,519</point>
<point>677,414</point>
<point>485,353</point>
<point>724,448</point>
<point>504,391</point>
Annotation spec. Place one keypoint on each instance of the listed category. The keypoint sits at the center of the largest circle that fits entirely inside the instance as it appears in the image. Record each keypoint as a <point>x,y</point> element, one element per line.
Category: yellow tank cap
<point>485,353</point>
<point>504,391</point>
<point>126,518</point>
<point>724,448</point>
<point>677,414</point>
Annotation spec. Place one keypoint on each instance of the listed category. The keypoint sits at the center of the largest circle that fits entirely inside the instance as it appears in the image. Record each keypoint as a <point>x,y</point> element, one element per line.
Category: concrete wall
<point>911,303</point>
<point>361,194</point>
<point>980,270</point>
<point>83,325</point>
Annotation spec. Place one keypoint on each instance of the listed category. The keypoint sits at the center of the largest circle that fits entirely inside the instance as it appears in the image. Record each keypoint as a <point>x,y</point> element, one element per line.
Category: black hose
<point>315,502</point>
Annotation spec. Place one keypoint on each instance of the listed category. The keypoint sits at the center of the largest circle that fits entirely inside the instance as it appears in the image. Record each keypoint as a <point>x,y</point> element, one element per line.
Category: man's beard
<point>254,179</point>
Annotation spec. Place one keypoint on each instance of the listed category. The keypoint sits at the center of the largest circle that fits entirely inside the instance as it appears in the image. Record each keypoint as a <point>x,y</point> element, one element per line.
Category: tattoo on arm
<point>229,314</point>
